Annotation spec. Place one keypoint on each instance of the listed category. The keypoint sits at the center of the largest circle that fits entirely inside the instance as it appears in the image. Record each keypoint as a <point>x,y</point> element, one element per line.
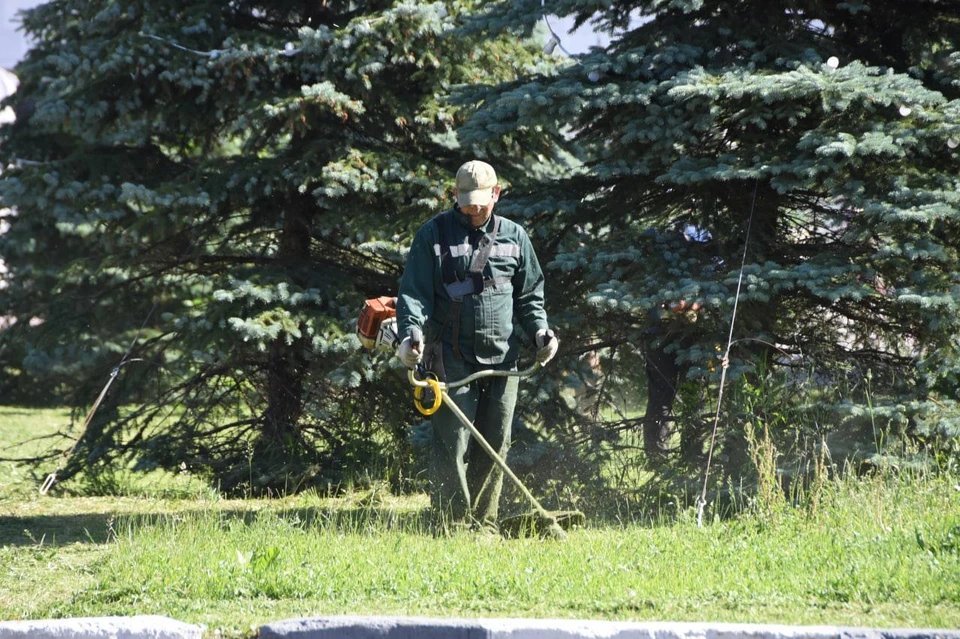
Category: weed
<point>947,544</point>
<point>769,500</point>
<point>814,495</point>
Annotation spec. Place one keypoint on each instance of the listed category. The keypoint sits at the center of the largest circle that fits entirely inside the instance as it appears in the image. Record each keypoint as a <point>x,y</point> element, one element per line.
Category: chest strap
<point>473,281</point>
<point>472,285</point>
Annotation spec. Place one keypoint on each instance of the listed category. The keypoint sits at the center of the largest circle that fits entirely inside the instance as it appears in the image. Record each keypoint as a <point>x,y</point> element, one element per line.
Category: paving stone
<point>141,627</point>
<point>351,627</point>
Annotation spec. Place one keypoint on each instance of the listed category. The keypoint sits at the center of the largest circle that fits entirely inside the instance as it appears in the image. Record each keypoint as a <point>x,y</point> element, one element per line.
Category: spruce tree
<point>205,193</point>
<point>829,130</point>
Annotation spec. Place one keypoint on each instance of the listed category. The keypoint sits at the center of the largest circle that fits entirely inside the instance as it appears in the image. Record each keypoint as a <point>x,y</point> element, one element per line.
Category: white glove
<point>409,355</point>
<point>547,344</point>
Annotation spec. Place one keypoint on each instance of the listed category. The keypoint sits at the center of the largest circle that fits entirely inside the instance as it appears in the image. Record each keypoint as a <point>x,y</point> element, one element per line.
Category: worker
<point>668,336</point>
<point>471,277</point>
<point>671,331</point>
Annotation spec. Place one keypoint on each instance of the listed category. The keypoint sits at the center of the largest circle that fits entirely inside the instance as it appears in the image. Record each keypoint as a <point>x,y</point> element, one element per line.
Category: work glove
<point>547,344</point>
<point>410,352</point>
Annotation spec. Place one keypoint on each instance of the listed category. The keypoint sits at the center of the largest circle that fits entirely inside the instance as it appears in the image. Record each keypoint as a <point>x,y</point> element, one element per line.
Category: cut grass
<point>881,551</point>
<point>27,432</point>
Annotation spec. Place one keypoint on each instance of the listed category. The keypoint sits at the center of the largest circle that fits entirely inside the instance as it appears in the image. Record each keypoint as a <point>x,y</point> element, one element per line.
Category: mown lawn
<point>881,551</point>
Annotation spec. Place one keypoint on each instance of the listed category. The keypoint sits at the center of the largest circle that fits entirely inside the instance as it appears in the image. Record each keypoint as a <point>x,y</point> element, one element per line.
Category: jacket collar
<point>464,221</point>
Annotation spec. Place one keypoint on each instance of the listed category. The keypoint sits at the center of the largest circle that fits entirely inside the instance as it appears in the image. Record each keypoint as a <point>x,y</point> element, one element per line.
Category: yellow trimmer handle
<point>437,397</point>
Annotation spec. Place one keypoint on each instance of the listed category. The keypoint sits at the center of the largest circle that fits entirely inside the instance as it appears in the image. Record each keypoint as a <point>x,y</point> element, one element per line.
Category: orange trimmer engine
<point>377,326</point>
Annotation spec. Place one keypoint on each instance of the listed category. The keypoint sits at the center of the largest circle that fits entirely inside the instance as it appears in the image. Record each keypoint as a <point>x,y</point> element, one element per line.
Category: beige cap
<point>475,182</point>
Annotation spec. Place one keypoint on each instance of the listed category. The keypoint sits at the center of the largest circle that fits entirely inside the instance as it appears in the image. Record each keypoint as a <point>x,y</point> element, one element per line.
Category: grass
<point>882,551</point>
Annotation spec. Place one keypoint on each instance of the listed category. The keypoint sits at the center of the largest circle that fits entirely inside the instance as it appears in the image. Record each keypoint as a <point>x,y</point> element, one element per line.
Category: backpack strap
<point>474,282</point>
<point>445,228</point>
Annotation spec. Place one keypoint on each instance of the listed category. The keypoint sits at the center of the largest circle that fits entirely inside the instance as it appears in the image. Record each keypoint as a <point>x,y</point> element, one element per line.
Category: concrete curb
<point>350,627</point>
<point>141,627</point>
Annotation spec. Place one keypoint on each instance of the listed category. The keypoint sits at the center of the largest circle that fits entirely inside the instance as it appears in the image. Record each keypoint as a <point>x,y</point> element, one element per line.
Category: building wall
<point>13,44</point>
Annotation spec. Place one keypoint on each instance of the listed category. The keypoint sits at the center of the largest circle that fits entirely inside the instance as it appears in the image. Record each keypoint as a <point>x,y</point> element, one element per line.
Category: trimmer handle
<point>415,381</point>
<point>416,344</point>
<point>548,336</point>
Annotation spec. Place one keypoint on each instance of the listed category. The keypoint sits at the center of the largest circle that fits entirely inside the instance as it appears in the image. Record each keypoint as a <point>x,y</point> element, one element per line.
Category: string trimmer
<point>377,328</point>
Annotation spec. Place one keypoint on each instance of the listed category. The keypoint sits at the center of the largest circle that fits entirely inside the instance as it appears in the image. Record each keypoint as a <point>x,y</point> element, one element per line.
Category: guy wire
<point>702,502</point>
<point>52,477</point>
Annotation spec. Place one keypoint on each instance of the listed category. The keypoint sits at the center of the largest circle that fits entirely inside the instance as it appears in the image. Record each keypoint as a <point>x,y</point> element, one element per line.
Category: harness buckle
<point>477,278</point>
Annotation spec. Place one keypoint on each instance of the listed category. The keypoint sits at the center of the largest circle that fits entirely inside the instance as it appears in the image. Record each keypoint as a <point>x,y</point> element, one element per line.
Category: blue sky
<point>13,45</point>
<point>580,40</point>
<point>12,42</point>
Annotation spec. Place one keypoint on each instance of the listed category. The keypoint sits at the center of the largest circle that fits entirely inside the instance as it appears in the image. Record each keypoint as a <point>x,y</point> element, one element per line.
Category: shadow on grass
<point>102,528</point>
<point>54,530</point>
<point>16,412</point>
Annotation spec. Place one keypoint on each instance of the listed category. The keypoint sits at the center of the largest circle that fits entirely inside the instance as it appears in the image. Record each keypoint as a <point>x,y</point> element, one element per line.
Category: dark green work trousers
<point>465,482</point>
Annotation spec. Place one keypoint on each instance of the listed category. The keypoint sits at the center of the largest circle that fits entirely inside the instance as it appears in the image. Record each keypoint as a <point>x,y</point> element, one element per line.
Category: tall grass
<point>858,560</point>
<point>882,550</point>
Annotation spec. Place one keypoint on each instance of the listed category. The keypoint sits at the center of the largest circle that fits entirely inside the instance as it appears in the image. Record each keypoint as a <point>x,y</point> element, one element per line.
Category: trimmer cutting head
<point>534,524</point>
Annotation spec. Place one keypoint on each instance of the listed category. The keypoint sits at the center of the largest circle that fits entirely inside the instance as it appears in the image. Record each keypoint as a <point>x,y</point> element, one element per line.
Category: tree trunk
<point>282,439</point>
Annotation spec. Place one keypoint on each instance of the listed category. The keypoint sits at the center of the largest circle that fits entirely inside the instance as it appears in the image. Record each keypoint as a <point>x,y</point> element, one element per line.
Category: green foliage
<point>949,544</point>
<point>700,121</point>
<point>769,499</point>
<point>217,188</point>
<point>244,175</point>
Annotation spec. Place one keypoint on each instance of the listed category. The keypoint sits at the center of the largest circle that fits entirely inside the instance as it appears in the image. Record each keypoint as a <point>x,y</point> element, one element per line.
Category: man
<point>668,334</point>
<point>671,331</point>
<point>469,275</point>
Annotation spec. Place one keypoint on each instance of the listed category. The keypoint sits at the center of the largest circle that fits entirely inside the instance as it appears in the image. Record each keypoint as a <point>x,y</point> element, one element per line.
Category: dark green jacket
<point>486,323</point>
